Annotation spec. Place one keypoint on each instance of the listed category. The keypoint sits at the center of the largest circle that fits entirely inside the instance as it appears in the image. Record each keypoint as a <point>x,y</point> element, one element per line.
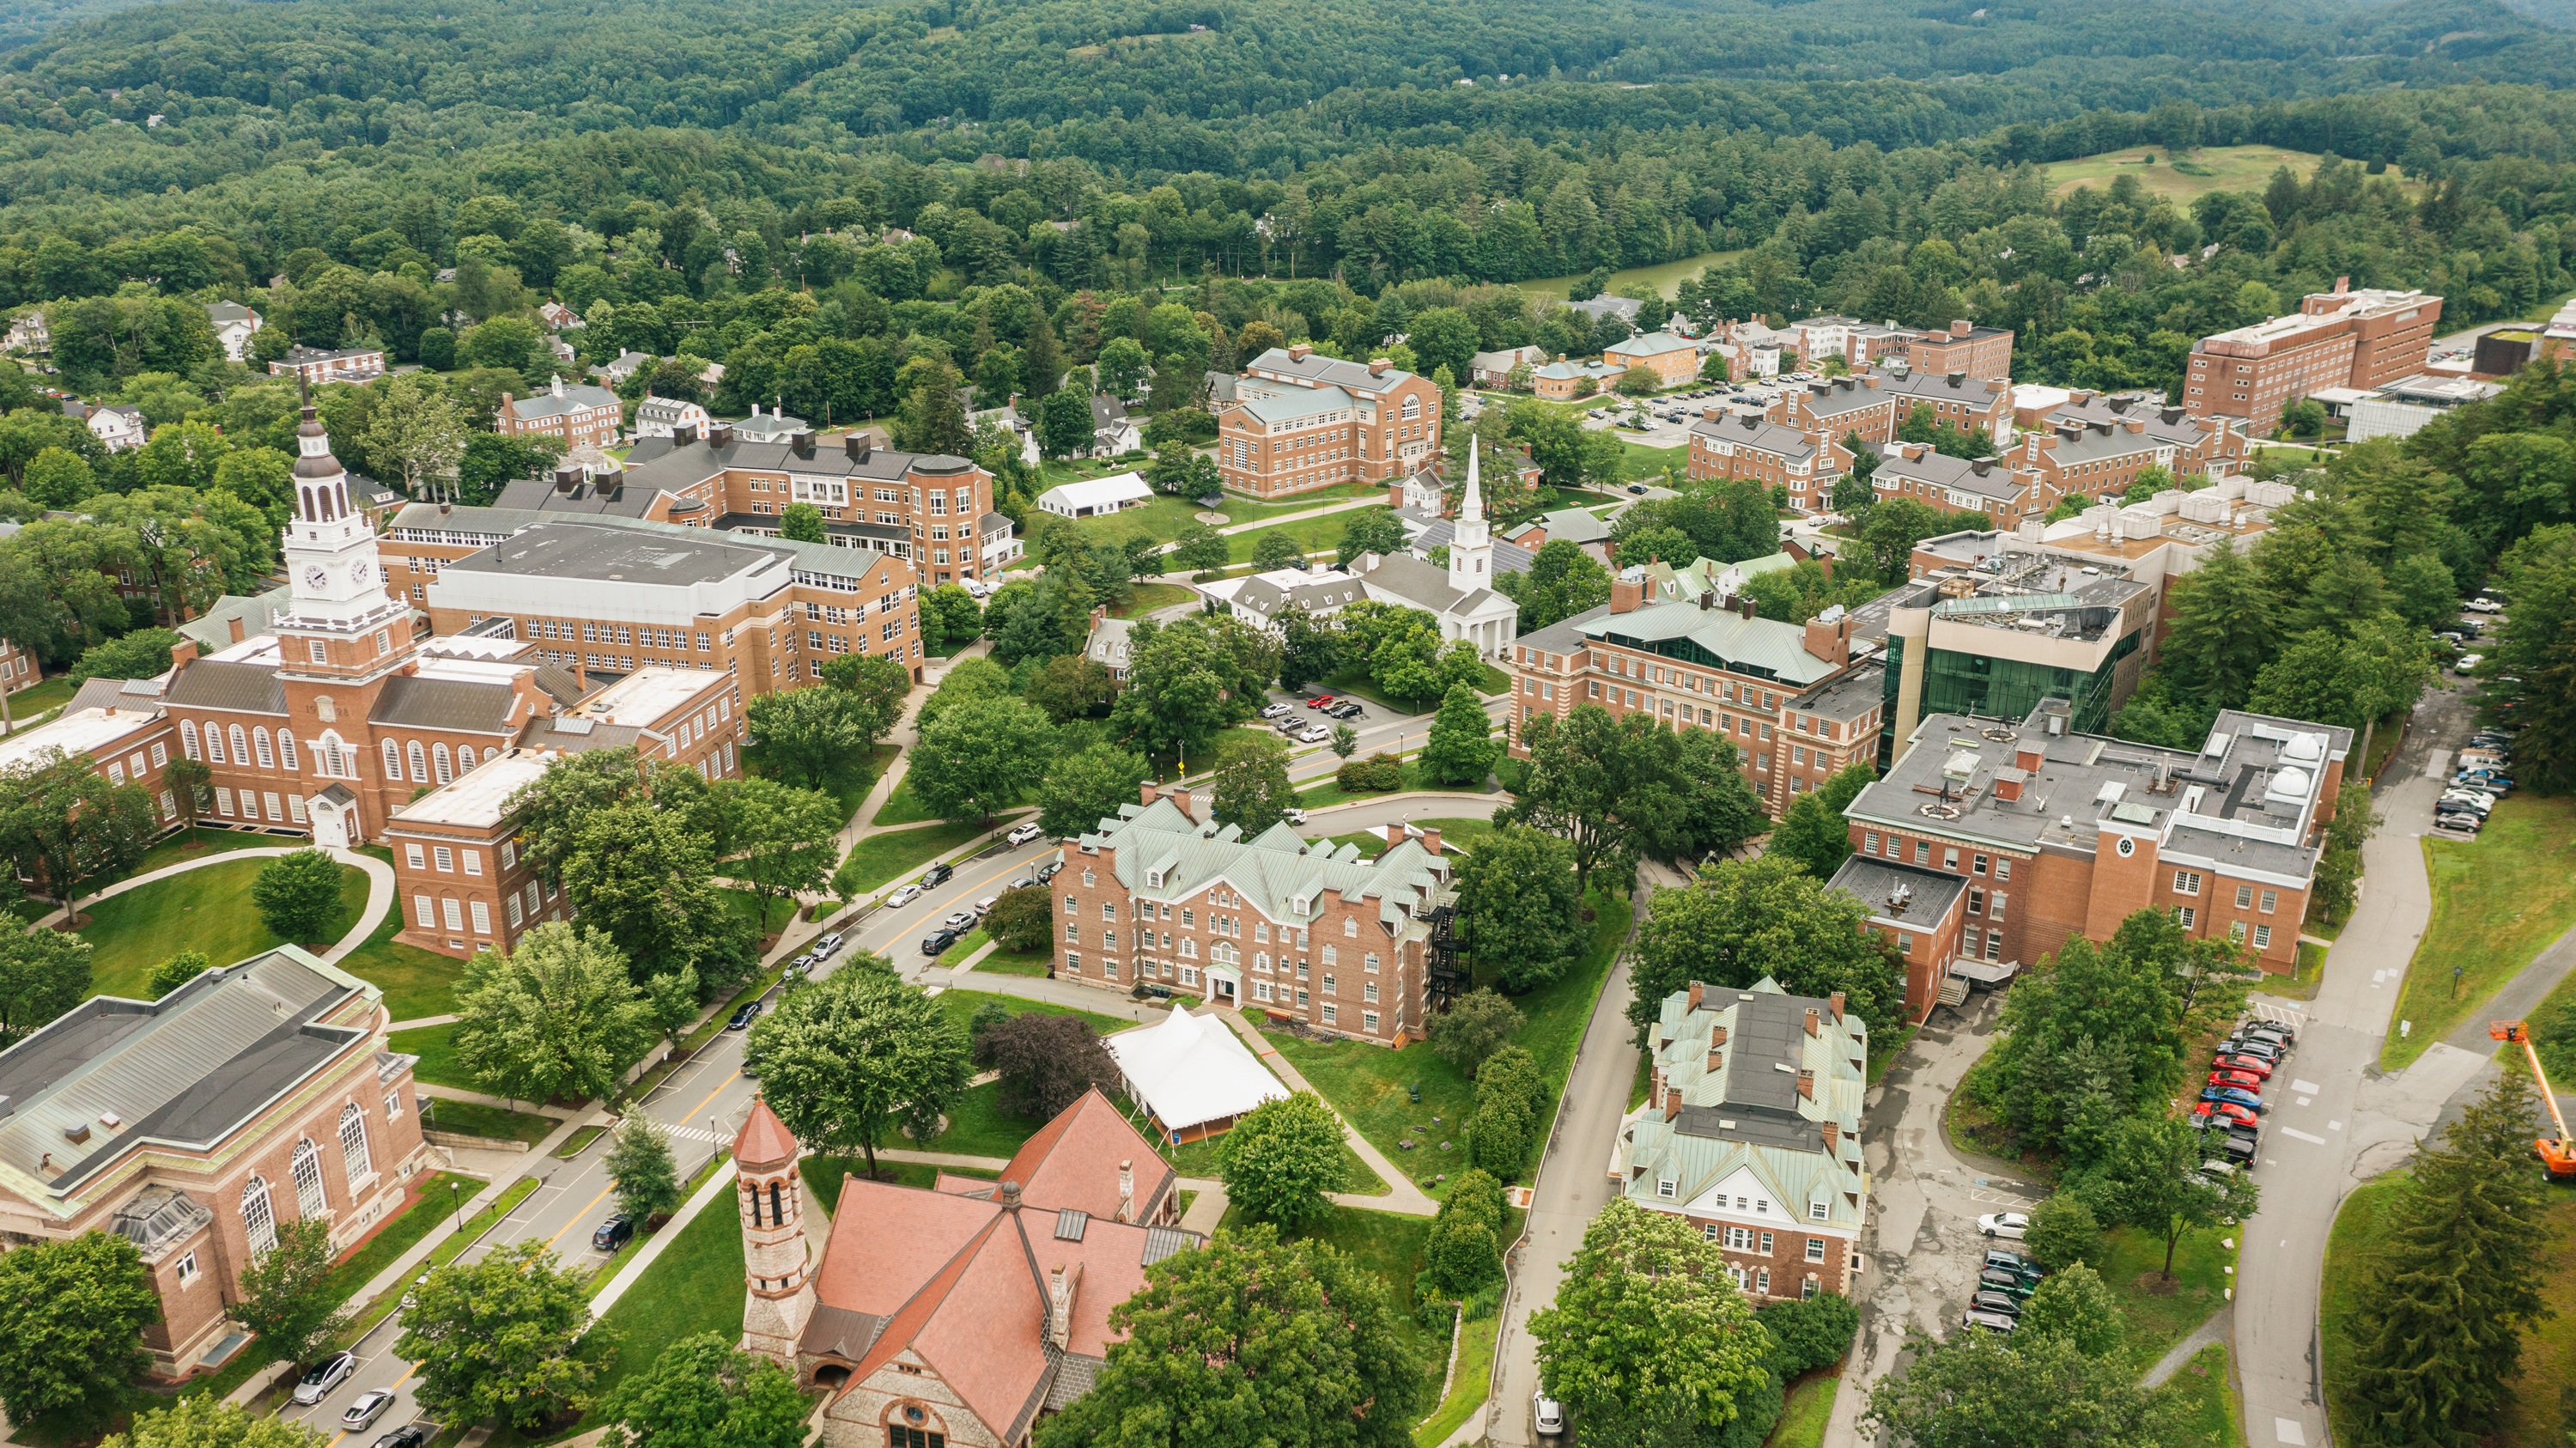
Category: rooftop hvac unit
<point>2205,507</point>
<point>2269,495</point>
<point>2032,530</point>
<point>2168,502</point>
<point>2229,485</point>
<point>2140,522</point>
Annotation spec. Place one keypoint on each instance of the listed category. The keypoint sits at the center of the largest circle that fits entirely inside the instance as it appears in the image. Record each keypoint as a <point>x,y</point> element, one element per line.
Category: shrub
<point>2063,1232</point>
<point>1814,1333</point>
<point>1379,773</point>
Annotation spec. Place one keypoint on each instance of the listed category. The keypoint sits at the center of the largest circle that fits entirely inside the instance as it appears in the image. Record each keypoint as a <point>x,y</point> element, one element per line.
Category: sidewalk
<point>380,889</point>
<point>1406,1198</point>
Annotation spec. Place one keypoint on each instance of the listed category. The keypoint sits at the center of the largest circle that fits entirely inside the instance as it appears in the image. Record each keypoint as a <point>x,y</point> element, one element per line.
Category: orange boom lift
<point>2558,1156</point>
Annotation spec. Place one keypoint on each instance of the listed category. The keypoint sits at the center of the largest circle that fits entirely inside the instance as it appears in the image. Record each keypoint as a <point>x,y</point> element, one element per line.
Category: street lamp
<point>456,1203</point>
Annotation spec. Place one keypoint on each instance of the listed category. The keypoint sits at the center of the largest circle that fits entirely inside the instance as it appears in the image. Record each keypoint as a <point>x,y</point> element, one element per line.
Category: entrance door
<point>330,825</point>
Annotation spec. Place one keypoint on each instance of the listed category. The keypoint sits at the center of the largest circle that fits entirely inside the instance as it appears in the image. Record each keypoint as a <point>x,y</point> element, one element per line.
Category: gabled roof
<point>1654,344</point>
<point>1319,370</point>
<point>1072,1162</point>
<point>1763,646</point>
<point>241,688</point>
<point>1163,854</point>
<point>1744,429</point>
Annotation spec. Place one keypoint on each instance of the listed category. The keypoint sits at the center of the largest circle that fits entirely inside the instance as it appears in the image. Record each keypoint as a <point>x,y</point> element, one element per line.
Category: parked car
<point>2265,1028</point>
<point>1991,1321</point>
<point>743,1018</point>
<point>2242,1044</point>
<point>2483,605</point>
<point>1344,710</point>
<point>985,906</point>
<point>800,965</point>
<point>409,1435</point>
<point>1023,882</point>
<point>958,920</point>
<point>2254,1066</point>
<point>2463,822</point>
<point>904,895</point>
<point>1988,1300</point>
<point>1547,1415</point>
<point>2004,1259</point>
<point>363,1413</point>
<point>1637,488</point>
<point>1048,870</point>
<point>2476,800</point>
<point>2011,1225</point>
<point>322,1377</point>
<point>1314,734</point>
<point>2218,1170</point>
<point>936,943</point>
<point>2485,779</point>
<point>1293,816</point>
<point>2236,1095</point>
<point>828,946</point>
<point>1995,1279</point>
<point>1273,711</point>
<point>2228,1110</point>
<point>935,876</point>
<point>1023,834</point>
<point>2465,662</point>
<point>1320,701</point>
<point>1290,727</point>
<point>2242,1080</point>
<point>614,1233</point>
<point>2240,1148</point>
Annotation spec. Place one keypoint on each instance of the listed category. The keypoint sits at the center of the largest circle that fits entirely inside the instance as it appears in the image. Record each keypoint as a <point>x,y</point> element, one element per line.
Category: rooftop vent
<point>1938,811</point>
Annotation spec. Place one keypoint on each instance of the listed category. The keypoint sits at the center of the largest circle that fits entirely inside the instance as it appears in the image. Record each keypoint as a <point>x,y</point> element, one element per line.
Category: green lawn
<point>1328,793</point>
<point>29,706</point>
<point>2355,1250</point>
<point>207,909</point>
<point>955,955</point>
<point>436,1048</point>
<point>425,1214</point>
<point>449,1245</point>
<point>960,1003</point>
<point>1000,962</point>
<point>2496,902</point>
<point>416,982</point>
<point>2218,168</point>
<point>2301,984</point>
<point>1164,518</point>
<point>695,1286</point>
<point>473,1118</point>
<point>1311,535</point>
<point>1468,1388</point>
<point>977,1125</point>
<point>903,807</point>
<point>1146,597</point>
<point>210,841</point>
<point>1809,1411</point>
<point>2207,1384</point>
<point>1390,1246</point>
<point>1366,1084</point>
<point>883,857</point>
<point>1358,686</point>
<point>2160,1313</point>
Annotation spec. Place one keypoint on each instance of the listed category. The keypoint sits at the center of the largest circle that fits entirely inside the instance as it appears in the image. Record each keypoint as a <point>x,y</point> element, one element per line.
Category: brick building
<point>1725,444</point>
<point>2344,338</point>
<point>256,1094</point>
<point>2053,833</point>
<point>1751,1132</point>
<point>1963,346</point>
<point>1673,360</point>
<point>580,414</point>
<point>2099,458</point>
<point>1301,421</point>
<point>1916,473</point>
<point>1705,663</point>
<point>2202,445</point>
<point>1876,404</point>
<point>1294,928</point>
<point>1564,380</point>
<point>314,366</point>
<point>1859,344</point>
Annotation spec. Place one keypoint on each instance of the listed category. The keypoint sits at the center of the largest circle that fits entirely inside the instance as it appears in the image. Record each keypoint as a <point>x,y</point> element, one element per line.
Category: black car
<point>1048,870</point>
<point>743,1018</point>
<point>1344,710</point>
<point>936,875</point>
<point>409,1435</point>
<point>1995,1279</point>
<point>937,942</point>
<point>1637,488</point>
<point>614,1233</point>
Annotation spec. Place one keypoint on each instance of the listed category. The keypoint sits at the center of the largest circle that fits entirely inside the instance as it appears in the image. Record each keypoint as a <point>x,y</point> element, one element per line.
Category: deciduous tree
<point>177,971</point>
<point>1647,1314</point>
<point>507,1336</point>
<point>1082,789</point>
<point>1742,920</point>
<point>1283,1158</point>
<point>1475,1026</point>
<point>205,1421</point>
<point>852,1056</point>
<point>298,896</point>
<point>704,1392</point>
<point>43,973</point>
<point>2074,1304</point>
<point>1249,786</point>
<point>1985,1390</point>
<point>1047,1062</point>
<point>1024,919</point>
<point>813,736</point>
<point>1517,900</point>
<point>72,1314</point>
<point>286,1293</point>
<point>783,838</point>
<point>2063,1232</point>
<point>1814,832</point>
<point>1461,748</point>
<point>557,1017</point>
<point>640,1165</point>
<point>980,756</point>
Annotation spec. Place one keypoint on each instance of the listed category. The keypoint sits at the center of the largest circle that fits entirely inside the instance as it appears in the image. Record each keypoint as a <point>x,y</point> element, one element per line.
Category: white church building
<point>1462,596</point>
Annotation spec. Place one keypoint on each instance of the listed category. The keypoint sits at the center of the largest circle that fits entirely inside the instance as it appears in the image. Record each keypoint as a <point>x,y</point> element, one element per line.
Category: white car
<point>2483,605</point>
<point>2011,1225</point>
<point>1547,1415</point>
<point>1276,710</point>
<point>327,1374</point>
<point>363,1413</point>
<point>906,895</point>
<point>1293,816</point>
<point>2468,662</point>
<point>2469,799</point>
<point>1314,734</point>
<point>1023,834</point>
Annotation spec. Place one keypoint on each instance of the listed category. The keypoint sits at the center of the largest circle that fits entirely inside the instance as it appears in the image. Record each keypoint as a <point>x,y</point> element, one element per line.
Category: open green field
<point>473,1118</point>
<point>1147,597</point>
<point>2497,901</point>
<point>1804,1418</point>
<point>1165,517</point>
<point>883,857</point>
<point>1311,535</point>
<point>436,1048</point>
<point>2230,168</point>
<point>1367,1084</point>
<point>1664,276</point>
<point>207,909</point>
<point>416,982</point>
<point>2160,1313</point>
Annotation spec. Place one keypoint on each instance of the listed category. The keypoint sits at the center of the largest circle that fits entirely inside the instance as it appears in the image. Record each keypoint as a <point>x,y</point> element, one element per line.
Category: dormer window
<point>1667,1188</point>
<point>1154,879</point>
<point>1816,1211</point>
<point>1298,904</point>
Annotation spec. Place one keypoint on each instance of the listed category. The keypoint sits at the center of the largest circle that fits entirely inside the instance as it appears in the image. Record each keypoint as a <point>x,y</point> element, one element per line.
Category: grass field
<point>1664,276</point>
<point>2160,1314</point>
<point>28,707</point>
<point>1808,1412</point>
<point>210,841</point>
<point>1390,1246</point>
<point>1367,1084</point>
<point>977,1125</point>
<point>436,1048</point>
<point>207,909</point>
<point>1326,792</point>
<point>2355,1249</point>
<point>473,1118</point>
<point>1146,597</point>
<point>1164,518</point>
<point>883,857</point>
<point>416,982</point>
<point>2231,168</point>
<point>2207,1384</point>
<point>1311,535</point>
<point>2496,902</point>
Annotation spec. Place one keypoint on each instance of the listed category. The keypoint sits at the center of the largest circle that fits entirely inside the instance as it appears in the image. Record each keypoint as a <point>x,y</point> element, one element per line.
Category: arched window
<point>353,1142</point>
<point>258,1219</point>
<point>241,746</point>
<point>266,759</point>
<point>188,738</point>
<point>286,749</point>
<point>393,760</point>
<point>309,1200</point>
<point>464,759</point>
<point>214,744</point>
<point>446,766</point>
<point>777,1207</point>
<point>419,762</point>
<point>308,503</point>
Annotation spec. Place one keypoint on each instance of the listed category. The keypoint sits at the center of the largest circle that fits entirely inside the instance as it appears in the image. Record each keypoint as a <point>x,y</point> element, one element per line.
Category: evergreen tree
<point>2225,623</point>
<point>1461,749</point>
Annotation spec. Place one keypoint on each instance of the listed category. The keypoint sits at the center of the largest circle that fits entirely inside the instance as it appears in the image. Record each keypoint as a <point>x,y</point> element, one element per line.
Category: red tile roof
<point>1073,1161</point>
<point>764,1143</point>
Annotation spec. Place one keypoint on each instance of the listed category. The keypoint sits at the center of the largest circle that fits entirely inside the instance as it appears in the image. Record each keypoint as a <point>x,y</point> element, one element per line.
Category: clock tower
<point>339,625</point>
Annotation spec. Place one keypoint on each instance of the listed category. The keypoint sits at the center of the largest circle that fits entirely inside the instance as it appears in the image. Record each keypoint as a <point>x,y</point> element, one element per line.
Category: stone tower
<point>776,1271</point>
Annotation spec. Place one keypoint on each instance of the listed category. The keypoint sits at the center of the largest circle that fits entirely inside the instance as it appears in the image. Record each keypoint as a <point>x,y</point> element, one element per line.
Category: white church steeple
<point>1471,546</point>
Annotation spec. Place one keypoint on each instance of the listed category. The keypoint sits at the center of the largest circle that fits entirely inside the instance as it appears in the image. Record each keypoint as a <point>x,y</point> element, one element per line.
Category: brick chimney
<point>2007,786</point>
<point>2026,755</point>
<point>1697,992</point>
<point>1431,840</point>
<point>1836,1001</point>
<point>1744,606</point>
<point>685,435</point>
<point>1299,351</point>
<point>1716,1060</point>
<point>1830,642</point>
<point>1812,1016</point>
<point>183,653</point>
<point>234,623</point>
<point>720,434</point>
<point>1379,365</point>
<point>1627,595</point>
<point>1959,327</point>
<point>1062,1283</point>
<point>1395,494</point>
<point>1833,1136</point>
<point>1180,797</point>
<point>1807,1084</point>
<point>1153,792</point>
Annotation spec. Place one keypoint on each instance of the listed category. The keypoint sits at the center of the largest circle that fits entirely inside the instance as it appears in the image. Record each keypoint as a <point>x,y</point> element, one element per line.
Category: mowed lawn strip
<point>2497,902</point>
<point>1366,1084</point>
<point>2356,1249</point>
<point>207,909</point>
<point>416,982</point>
<point>2160,1314</point>
<point>884,857</point>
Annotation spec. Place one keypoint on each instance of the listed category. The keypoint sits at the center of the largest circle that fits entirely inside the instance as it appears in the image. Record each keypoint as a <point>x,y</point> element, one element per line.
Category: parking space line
<point>2293,1131</point>
<point>2306,1088</point>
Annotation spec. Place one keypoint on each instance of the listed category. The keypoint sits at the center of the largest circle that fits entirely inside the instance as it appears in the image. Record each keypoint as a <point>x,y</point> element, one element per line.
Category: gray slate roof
<point>1508,557</point>
<point>241,688</point>
<point>1424,587</point>
<point>1748,430</point>
<point>576,397</point>
<point>1761,647</point>
<point>1847,696</point>
<point>1320,370</point>
<point>1317,593</point>
<point>1942,471</point>
<point>499,524</point>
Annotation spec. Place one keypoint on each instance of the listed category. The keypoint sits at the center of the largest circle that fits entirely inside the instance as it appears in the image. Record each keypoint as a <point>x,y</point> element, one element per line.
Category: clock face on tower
<point>361,571</point>
<point>318,576</point>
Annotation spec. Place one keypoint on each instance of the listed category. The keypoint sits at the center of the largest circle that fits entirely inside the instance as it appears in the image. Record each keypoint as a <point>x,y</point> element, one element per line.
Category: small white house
<point>664,416</point>
<point>1094,497</point>
<point>234,326</point>
<point>118,426</point>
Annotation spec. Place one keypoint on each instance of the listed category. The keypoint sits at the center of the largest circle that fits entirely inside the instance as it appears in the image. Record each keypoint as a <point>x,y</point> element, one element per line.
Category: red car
<point>2251,1065</point>
<point>2229,1110</point>
<point>1320,701</point>
<point>2246,1080</point>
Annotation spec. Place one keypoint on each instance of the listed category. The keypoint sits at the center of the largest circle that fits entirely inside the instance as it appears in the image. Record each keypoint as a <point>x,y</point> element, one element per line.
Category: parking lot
<point>2480,772</point>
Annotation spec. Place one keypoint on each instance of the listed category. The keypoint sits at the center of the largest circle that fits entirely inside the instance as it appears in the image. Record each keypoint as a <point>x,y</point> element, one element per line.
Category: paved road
<point>2336,1122</point>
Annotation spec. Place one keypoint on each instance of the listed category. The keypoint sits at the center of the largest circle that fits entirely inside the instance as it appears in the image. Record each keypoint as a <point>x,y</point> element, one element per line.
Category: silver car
<point>904,896</point>
<point>327,1374</point>
<point>363,1413</point>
